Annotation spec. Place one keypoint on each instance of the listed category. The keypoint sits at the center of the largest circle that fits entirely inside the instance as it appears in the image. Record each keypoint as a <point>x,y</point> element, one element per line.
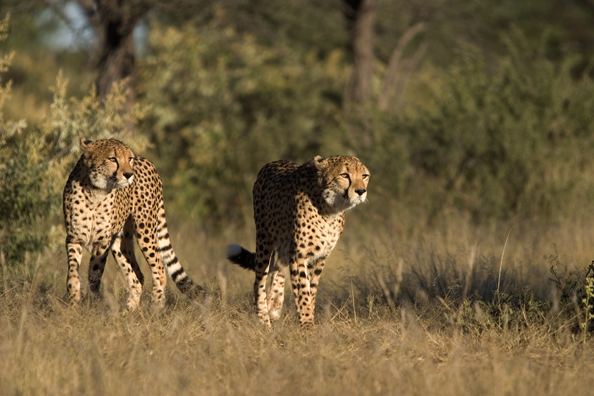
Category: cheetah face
<point>344,181</point>
<point>110,163</point>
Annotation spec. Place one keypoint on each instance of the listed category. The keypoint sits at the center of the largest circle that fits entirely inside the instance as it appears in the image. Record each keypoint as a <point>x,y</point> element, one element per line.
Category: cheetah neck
<point>325,209</point>
<point>93,194</point>
<point>331,212</point>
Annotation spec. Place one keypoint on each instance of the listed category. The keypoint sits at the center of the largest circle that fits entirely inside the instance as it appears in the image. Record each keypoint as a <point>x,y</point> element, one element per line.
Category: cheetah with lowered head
<point>110,196</point>
<point>299,214</point>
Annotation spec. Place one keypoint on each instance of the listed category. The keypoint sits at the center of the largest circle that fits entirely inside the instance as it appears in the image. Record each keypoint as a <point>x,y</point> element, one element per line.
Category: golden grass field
<point>402,309</point>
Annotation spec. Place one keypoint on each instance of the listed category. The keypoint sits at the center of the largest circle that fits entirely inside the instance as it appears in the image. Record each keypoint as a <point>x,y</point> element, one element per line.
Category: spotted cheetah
<point>299,213</point>
<point>110,196</point>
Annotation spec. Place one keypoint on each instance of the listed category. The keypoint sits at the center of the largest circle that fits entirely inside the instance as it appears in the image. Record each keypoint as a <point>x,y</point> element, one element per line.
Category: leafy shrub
<point>223,105</point>
<point>35,161</point>
<point>499,138</point>
<point>506,137</point>
<point>22,198</point>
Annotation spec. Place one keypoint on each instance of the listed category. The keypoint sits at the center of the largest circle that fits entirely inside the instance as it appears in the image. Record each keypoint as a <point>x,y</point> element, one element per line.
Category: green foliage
<point>498,137</point>
<point>36,161</point>
<point>224,105</point>
<point>69,119</point>
<point>506,137</point>
<point>22,198</point>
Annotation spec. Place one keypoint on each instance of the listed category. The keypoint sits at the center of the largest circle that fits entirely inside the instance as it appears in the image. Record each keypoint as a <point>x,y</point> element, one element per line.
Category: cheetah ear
<point>320,163</point>
<point>84,144</point>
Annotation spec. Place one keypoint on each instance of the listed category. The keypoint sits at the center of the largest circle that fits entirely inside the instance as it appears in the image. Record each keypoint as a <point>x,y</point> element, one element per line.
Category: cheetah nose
<point>128,175</point>
<point>360,191</point>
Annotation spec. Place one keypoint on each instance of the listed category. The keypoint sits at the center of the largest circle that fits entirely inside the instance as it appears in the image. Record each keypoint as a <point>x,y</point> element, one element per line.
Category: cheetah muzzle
<point>299,214</point>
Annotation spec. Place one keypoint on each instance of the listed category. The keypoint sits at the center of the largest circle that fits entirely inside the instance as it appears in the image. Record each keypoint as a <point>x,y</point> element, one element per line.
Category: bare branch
<point>409,66</point>
<point>394,63</point>
<point>77,33</point>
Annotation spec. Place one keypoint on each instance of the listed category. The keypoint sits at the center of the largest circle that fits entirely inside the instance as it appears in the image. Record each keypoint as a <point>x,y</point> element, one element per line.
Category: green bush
<point>24,199</point>
<point>35,161</point>
<point>22,196</point>
<point>223,105</point>
<point>498,138</point>
<point>505,137</point>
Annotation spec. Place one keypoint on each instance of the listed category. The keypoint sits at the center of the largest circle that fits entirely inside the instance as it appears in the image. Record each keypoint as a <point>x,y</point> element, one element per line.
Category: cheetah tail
<point>175,270</point>
<point>242,257</point>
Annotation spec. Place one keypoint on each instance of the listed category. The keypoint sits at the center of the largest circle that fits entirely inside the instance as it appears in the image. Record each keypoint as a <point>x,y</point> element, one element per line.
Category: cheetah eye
<point>344,175</point>
<point>365,176</point>
<point>131,159</point>
<point>113,159</point>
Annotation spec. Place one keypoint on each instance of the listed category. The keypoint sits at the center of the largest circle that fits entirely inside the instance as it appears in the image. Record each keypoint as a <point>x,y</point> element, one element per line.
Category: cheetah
<point>110,196</point>
<point>299,214</point>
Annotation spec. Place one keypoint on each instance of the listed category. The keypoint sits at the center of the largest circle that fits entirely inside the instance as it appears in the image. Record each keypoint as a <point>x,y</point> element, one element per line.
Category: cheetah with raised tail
<point>299,213</point>
<point>110,196</point>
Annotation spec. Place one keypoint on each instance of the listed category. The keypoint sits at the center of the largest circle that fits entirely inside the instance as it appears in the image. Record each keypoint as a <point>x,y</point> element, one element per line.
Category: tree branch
<point>58,9</point>
<point>394,63</point>
<point>409,66</point>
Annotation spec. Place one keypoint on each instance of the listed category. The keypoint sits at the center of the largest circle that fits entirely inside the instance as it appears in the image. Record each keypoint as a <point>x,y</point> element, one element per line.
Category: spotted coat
<point>299,214</point>
<point>110,196</point>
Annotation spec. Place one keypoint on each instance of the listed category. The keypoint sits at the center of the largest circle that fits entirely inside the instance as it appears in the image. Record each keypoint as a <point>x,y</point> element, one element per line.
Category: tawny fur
<point>111,196</point>
<point>299,214</point>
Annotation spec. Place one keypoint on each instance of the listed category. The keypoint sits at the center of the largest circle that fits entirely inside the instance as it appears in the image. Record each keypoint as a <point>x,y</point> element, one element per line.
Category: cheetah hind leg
<point>146,236</point>
<point>123,253</point>
<point>276,296</point>
<point>260,263</point>
<point>96,267</point>
<point>263,254</point>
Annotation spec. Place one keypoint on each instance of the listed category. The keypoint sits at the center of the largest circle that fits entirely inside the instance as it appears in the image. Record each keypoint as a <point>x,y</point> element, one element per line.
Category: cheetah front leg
<point>74,251</point>
<point>301,291</point>
<point>314,274</point>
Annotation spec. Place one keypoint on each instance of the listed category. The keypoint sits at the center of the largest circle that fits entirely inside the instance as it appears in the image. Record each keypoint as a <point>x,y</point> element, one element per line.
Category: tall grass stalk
<point>501,261</point>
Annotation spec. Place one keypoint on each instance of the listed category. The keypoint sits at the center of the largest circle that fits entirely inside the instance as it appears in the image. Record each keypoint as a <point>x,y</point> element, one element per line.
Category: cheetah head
<point>109,162</point>
<point>343,181</point>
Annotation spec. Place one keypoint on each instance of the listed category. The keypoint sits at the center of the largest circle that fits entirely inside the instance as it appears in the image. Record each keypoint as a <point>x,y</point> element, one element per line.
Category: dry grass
<point>437,329</point>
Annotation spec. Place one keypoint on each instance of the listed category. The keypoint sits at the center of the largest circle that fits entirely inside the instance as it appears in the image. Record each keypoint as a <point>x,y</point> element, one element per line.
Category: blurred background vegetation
<point>477,108</point>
